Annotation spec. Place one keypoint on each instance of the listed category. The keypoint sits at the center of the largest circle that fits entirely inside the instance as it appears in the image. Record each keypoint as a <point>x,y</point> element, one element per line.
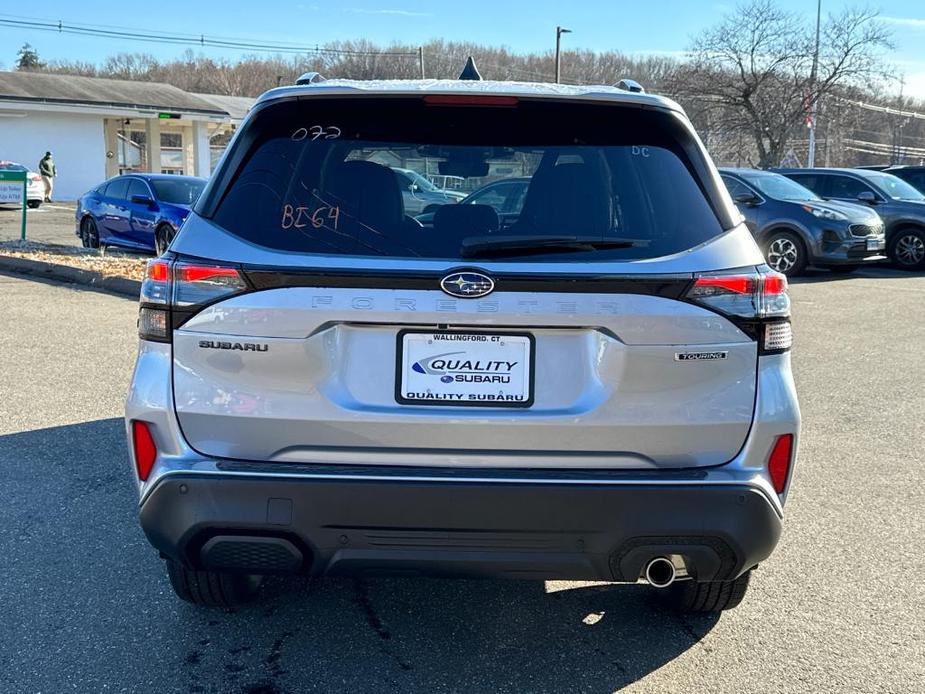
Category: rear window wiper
<point>500,246</point>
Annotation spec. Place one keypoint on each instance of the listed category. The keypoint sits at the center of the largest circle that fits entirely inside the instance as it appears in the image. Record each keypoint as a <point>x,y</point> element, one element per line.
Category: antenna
<point>470,71</point>
<point>310,78</point>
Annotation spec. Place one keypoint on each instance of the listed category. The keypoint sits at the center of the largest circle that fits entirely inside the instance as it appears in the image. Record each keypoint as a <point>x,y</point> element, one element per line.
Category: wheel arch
<point>776,227</point>
<point>903,224</point>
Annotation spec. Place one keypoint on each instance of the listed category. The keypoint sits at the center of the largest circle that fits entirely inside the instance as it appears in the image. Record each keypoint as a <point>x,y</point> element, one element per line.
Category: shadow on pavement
<point>88,604</point>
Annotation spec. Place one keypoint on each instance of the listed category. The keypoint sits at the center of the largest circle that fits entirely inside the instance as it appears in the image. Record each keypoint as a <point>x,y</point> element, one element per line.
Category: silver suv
<point>596,388</point>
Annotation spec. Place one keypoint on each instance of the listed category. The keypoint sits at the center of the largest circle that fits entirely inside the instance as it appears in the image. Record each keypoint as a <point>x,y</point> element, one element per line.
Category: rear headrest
<point>570,199</point>
<point>367,192</point>
<point>460,221</point>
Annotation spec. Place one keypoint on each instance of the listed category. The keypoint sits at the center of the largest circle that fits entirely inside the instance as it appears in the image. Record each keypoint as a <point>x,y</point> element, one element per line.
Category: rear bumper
<point>550,529</point>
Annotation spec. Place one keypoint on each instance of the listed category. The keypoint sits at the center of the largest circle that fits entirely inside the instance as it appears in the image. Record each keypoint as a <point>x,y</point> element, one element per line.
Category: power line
<point>200,40</point>
<point>883,109</point>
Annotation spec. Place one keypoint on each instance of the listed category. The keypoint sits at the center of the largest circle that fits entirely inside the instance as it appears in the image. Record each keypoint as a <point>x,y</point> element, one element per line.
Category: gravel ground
<point>840,607</point>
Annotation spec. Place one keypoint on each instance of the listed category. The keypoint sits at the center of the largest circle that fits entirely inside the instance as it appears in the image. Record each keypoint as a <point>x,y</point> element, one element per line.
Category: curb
<point>64,273</point>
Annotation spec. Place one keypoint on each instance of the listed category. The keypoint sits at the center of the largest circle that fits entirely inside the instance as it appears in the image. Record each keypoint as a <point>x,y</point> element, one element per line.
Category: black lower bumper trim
<point>551,530</point>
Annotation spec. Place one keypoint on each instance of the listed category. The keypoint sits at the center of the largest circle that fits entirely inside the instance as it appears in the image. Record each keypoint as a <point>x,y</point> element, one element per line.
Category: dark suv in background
<point>901,206</point>
<point>796,228</point>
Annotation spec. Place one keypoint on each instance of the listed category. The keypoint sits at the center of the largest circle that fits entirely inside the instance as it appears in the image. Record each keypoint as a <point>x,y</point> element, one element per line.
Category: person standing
<point>48,172</point>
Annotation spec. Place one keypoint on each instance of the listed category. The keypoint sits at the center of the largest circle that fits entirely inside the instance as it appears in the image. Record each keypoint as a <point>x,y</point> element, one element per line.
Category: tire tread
<point>713,596</point>
<point>210,588</point>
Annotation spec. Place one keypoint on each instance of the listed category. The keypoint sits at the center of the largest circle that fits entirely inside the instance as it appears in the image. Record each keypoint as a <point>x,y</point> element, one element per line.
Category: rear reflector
<point>779,462</point>
<point>144,448</point>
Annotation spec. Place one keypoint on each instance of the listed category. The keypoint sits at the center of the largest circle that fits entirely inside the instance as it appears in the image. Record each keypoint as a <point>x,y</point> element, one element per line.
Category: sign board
<point>13,190</point>
<point>11,187</point>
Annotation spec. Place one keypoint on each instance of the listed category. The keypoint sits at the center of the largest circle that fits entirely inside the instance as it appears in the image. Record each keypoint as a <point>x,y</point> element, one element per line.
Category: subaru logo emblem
<point>467,285</point>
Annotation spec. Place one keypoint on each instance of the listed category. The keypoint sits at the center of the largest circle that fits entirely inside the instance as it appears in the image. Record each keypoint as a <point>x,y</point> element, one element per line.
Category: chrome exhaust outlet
<point>660,572</point>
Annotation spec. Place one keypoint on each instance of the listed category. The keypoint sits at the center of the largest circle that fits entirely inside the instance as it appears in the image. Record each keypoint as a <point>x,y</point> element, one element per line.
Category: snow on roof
<point>492,87</point>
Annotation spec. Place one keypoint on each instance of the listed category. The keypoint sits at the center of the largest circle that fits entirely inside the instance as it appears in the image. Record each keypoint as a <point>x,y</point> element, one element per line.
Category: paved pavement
<point>840,607</point>
<point>53,222</point>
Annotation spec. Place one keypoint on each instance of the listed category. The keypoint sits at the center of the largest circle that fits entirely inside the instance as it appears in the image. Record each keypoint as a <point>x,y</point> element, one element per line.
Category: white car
<point>35,190</point>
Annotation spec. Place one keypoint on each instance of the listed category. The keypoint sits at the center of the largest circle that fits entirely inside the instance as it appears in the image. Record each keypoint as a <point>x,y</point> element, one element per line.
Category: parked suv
<point>796,228</point>
<point>901,206</point>
<point>602,391</point>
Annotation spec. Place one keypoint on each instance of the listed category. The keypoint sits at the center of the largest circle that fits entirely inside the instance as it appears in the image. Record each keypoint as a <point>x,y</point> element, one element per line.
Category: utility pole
<point>559,32</point>
<point>421,59</point>
<point>811,156</point>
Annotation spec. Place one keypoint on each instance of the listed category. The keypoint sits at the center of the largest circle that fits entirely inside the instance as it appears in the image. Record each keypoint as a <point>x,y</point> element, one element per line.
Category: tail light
<point>755,301</point>
<point>779,462</point>
<point>173,291</point>
<point>144,449</point>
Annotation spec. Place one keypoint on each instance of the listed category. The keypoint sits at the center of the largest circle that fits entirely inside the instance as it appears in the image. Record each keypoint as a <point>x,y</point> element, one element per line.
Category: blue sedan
<point>138,211</point>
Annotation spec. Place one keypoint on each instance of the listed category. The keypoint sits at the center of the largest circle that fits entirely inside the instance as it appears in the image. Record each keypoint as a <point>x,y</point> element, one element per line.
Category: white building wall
<point>76,140</point>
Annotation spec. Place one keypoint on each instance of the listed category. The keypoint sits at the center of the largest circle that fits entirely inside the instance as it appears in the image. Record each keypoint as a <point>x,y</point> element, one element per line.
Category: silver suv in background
<point>599,391</point>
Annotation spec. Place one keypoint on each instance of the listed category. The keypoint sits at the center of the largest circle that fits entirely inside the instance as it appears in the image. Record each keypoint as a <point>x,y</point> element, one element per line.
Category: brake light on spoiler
<point>756,301</point>
<point>470,100</point>
<point>172,291</point>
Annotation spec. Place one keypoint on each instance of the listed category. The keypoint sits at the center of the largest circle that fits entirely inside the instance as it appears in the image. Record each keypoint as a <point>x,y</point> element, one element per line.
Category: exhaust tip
<point>660,572</point>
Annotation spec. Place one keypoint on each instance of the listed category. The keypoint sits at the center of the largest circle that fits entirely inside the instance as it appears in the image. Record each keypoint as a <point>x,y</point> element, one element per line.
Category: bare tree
<point>755,69</point>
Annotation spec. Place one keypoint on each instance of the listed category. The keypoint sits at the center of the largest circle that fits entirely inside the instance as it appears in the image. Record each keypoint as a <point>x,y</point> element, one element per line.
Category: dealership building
<point>98,128</point>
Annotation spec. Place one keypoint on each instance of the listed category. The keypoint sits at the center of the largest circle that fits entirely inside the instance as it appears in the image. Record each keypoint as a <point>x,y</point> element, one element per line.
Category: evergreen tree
<point>28,58</point>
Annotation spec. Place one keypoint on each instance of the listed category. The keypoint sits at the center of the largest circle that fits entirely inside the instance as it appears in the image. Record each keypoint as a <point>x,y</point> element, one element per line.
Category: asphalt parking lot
<point>53,222</point>
<point>840,607</point>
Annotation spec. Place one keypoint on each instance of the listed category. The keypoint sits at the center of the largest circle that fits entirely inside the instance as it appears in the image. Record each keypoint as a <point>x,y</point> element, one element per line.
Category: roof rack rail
<point>470,71</point>
<point>310,78</point>
<point>629,85</point>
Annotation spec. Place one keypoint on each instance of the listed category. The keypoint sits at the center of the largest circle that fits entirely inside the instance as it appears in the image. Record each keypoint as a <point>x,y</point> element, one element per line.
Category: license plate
<point>876,244</point>
<point>465,369</point>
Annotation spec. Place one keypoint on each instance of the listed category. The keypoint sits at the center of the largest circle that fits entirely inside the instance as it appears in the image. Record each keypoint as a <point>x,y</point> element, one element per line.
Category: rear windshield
<point>360,176</point>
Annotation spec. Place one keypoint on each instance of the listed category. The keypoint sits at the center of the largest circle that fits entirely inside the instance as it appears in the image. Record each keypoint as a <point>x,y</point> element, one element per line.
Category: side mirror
<point>747,199</point>
<point>142,200</point>
<point>868,197</point>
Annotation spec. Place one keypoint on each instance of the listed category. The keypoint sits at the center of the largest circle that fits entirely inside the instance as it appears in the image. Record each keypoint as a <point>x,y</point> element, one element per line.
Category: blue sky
<point>634,27</point>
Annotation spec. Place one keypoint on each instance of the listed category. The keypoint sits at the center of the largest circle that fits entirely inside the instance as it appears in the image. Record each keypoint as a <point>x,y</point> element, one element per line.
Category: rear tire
<point>907,249</point>
<point>34,204</point>
<point>786,253</point>
<point>89,234</point>
<point>212,588</point>
<point>691,596</point>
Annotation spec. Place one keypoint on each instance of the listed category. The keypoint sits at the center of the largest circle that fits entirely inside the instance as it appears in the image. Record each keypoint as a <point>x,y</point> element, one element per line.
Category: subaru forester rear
<point>595,387</point>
